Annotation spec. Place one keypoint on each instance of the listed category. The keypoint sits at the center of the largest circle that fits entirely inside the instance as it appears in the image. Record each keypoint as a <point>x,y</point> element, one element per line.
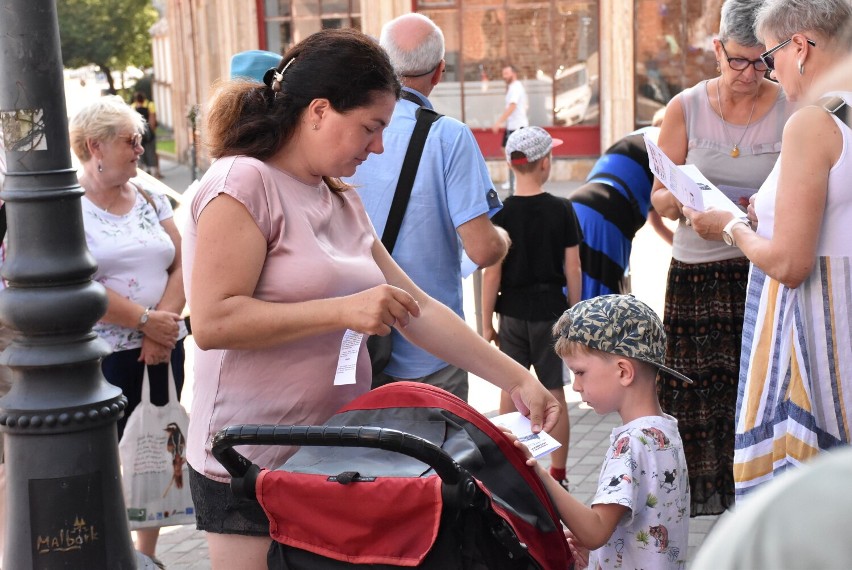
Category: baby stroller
<point>436,486</point>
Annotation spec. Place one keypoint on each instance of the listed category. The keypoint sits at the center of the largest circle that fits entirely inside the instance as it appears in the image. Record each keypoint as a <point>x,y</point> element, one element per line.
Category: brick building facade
<point>594,69</point>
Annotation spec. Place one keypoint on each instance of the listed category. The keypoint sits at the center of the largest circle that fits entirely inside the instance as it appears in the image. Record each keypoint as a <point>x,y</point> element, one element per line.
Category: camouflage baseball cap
<point>621,325</point>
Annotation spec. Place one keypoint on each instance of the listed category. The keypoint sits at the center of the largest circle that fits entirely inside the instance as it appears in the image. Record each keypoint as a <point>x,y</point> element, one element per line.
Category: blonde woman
<point>132,235</point>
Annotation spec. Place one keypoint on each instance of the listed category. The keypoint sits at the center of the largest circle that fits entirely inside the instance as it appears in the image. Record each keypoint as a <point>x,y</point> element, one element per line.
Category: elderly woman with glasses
<point>795,392</point>
<point>730,128</point>
<point>131,234</point>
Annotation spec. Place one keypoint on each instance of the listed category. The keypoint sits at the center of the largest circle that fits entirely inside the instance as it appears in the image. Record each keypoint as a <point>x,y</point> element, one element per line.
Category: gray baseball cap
<point>533,142</point>
<point>621,325</point>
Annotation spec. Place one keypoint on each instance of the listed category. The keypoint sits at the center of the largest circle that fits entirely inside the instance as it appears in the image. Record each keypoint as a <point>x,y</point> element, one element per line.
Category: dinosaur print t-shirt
<point>645,470</point>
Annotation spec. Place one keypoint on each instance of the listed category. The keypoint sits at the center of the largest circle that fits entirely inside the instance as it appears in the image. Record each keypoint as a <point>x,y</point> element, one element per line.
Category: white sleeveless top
<point>709,148</point>
<point>835,237</point>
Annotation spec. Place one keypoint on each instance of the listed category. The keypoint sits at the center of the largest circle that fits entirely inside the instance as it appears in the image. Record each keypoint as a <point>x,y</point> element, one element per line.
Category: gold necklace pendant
<point>735,151</point>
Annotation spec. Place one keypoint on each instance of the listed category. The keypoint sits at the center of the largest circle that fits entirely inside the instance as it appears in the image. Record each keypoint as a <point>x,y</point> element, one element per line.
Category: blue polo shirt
<point>452,187</point>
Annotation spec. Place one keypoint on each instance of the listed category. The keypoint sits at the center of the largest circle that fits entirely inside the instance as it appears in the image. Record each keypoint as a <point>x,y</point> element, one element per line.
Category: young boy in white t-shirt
<point>639,517</point>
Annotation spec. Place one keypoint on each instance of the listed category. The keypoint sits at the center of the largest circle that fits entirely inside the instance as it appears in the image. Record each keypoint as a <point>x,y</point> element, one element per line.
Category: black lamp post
<point>65,507</point>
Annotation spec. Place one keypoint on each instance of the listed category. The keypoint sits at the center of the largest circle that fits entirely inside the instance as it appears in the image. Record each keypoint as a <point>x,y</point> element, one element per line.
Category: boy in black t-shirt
<point>527,289</point>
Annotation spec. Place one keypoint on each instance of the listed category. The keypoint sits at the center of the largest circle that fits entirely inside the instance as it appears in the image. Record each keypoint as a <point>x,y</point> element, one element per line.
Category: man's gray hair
<point>737,23</point>
<point>783,18</point>
<point>414,60</point>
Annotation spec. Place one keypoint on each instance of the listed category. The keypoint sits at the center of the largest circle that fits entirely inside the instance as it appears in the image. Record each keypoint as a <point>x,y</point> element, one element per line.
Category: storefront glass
<point>290,21</point>
<point>552,44</point>
<point>674,50</point>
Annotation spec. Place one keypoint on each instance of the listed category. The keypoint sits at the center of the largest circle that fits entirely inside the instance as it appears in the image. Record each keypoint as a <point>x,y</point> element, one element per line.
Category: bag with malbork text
<point>155,474</point>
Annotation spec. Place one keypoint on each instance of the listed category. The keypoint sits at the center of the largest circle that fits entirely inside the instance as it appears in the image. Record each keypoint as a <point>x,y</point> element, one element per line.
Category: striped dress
<point>795,390</point>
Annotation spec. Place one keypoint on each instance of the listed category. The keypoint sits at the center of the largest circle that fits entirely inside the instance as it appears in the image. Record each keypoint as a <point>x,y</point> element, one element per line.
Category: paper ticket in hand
<point>539,444</point>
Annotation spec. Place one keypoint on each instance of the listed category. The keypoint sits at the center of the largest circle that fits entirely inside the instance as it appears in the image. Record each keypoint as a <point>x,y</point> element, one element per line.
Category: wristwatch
<point>143,318</point>
<point>727,233</point>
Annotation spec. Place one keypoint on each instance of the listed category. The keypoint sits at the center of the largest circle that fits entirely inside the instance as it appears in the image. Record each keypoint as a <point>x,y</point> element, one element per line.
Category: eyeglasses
<point>414,75</point>
<point>769,59</point>
<point>741,63</point>
<point>133,140</point>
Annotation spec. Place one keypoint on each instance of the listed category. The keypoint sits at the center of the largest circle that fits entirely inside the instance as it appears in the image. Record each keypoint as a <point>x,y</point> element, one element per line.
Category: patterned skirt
<point>795,392</point>
<point>703,321</point>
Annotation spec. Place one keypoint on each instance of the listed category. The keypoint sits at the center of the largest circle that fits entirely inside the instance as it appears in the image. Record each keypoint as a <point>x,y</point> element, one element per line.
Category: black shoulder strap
<point>2,221</point>
<point>837,107</point>
<point>425,118</point>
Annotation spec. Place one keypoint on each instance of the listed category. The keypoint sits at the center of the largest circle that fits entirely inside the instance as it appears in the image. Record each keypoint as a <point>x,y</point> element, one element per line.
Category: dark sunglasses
<point>769,59</point>
<point>741,63</point>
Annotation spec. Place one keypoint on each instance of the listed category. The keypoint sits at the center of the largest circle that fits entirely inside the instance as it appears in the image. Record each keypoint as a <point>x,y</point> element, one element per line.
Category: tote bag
<point>155,474</point>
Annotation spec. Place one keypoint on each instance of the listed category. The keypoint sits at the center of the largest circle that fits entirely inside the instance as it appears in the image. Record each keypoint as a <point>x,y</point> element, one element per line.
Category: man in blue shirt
<point>451,201</point>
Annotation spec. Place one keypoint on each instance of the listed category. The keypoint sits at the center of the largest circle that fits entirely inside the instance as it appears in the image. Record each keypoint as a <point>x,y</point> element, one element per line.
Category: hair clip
<point>275,75</point>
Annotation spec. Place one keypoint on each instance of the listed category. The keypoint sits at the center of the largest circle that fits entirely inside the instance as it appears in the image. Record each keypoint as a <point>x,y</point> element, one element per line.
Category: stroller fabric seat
<point>406,475</point>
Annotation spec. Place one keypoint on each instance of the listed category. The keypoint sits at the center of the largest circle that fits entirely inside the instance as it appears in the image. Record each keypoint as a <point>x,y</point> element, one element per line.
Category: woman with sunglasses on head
<point>730,128</point>
<point>796,390</point>
<point>131,233</point>
<point>286,276</point>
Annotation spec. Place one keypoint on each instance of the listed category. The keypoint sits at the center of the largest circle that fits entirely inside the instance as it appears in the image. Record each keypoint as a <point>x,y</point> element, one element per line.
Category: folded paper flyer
<point>539,444</point>
<point>688,184</point>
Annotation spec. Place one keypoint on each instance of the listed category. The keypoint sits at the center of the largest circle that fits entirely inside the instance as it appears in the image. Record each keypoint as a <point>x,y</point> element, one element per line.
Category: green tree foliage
<point>111,34</point>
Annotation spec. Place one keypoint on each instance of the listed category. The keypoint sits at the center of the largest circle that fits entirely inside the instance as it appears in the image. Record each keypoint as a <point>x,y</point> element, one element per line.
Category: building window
<point>553,45</point>
<point>673,50</point>
<point>290,21</point>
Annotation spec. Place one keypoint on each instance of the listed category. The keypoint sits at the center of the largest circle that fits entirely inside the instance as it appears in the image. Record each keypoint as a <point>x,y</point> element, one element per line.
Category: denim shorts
<point>217,510</point>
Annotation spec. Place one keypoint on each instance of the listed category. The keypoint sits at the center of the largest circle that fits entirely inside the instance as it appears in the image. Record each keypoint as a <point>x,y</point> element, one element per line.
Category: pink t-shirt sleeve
<point>238,177</point>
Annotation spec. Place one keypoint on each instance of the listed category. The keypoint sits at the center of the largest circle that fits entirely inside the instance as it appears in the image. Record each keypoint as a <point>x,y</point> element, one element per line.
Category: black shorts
<point>217,510</point>
<point>530,343</point>
<point>506,133</point>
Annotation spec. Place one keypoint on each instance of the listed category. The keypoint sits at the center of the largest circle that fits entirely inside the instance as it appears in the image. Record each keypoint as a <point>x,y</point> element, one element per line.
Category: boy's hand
<point>489,334</point>
<point>517,443</point>
<point>578,551</point>
<point>531,461</point>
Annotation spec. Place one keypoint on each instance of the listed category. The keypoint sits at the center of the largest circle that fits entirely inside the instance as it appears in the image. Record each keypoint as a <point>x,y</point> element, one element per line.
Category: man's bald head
<point>415,45</point>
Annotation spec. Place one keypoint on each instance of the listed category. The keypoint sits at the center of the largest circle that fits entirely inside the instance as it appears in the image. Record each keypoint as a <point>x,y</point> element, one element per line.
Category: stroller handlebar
<point>450,472</point>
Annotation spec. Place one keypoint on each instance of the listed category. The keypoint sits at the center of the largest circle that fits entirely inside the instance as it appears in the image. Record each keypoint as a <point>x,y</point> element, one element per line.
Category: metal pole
<point>64,499</point>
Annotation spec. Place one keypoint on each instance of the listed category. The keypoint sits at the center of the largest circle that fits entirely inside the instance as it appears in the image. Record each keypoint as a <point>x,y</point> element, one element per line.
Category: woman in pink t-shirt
<point>283,269</point>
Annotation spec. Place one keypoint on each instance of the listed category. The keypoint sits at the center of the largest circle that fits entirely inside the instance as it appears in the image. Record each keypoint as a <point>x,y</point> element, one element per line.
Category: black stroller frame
<point>475,529</point>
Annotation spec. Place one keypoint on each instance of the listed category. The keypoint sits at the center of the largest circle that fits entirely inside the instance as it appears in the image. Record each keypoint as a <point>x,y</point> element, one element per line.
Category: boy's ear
<point>626,372</point>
